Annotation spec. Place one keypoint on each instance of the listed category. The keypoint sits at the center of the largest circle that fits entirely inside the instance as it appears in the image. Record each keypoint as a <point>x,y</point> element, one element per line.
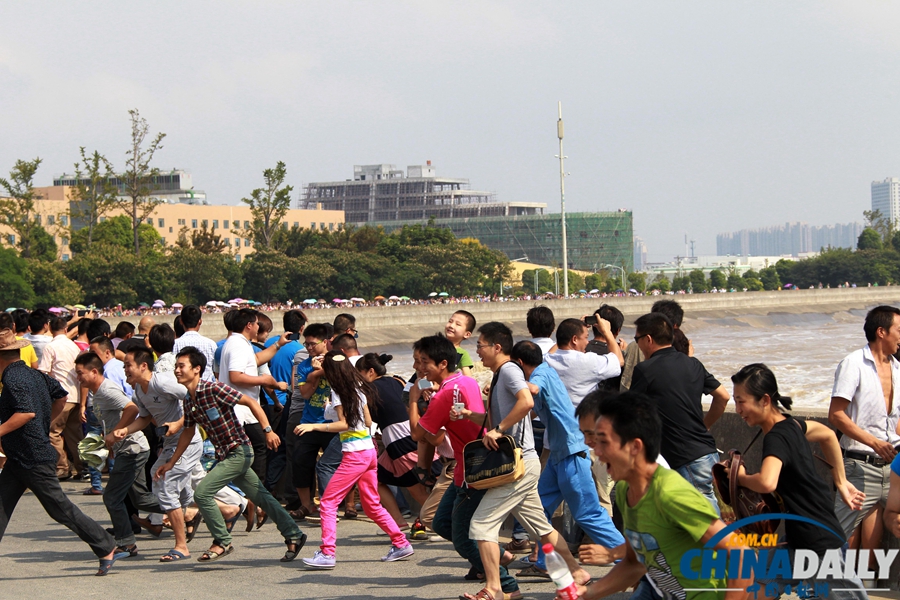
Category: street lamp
<point>525,258</point>
<point>620,269</point>
<point>562,201</point>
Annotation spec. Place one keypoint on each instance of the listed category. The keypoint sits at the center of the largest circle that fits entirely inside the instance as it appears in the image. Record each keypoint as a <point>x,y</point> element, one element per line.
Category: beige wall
<point>169,219</point>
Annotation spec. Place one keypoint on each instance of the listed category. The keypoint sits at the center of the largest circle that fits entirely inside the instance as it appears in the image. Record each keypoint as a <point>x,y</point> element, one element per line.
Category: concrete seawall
<point>381,325</point>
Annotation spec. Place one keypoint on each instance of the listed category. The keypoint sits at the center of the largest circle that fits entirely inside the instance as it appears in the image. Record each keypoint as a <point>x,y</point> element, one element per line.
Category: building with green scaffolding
<point>595,239</point>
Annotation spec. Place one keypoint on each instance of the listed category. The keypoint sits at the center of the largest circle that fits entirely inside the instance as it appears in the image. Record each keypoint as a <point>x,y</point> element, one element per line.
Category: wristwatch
<point>497,429</point>
<point>268,429</point>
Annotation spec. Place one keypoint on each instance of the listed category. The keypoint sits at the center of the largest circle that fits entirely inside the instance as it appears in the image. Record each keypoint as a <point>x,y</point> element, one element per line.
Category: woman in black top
<point>396,465</point>
<point>788,467</point>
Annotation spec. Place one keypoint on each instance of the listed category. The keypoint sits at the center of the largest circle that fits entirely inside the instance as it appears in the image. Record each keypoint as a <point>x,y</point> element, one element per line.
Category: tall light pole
<point>562,200</point>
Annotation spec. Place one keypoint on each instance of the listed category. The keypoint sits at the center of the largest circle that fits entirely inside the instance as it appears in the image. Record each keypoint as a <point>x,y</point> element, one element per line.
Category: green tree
<point>273,276</point>
<point>698,281</point>
<point>880,223</point>
<point>40,244</point>
<point>576,282</point>
<point>869,239</point>
<point>637,281</point>
<point>116,231</point>
<point>681,283</point>
<point>717,279</point>
<point>51,287</point>
<point>197,276</point>
<point>16,291</point>
<point>660,282</point>
<point>785,270</point>
<point>594,281</point>
<point>17,209</point>
<point>735,282</point>
<point>296,241</point>
<point>769,278</point>
<point>269,205</point>
<point>205,240</point>
<point>544,280</point>
<point>94,194</point>
<point>107,273</point>
<point>139,179</point>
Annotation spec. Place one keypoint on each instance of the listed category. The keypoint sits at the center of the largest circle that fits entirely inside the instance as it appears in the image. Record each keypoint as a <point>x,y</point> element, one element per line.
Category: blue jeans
<point>451,522</point>
<point>93,426</point>
<point>698,473</point>
<point>328,463</point>
<point>570,479</point>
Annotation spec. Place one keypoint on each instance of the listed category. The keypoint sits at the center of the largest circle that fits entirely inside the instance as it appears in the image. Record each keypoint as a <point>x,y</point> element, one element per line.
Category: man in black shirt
<point>26,403</point>
<point>677,382</point>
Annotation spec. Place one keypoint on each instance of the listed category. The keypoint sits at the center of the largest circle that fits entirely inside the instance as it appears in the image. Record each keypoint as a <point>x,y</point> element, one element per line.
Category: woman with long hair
<point>351,396</point>
<point>789,470</point>
<point>396,465</point>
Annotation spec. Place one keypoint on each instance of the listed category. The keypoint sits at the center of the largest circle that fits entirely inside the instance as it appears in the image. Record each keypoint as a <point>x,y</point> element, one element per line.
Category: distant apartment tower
<point>383,193</point>
<point>175,186</point>
<point>790,239</point>
<point>886,199</point>
<point>640,254</point>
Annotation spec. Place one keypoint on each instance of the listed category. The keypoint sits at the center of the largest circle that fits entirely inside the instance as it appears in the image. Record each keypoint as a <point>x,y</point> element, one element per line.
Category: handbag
<point>486,468</point>
<point>743,501</point>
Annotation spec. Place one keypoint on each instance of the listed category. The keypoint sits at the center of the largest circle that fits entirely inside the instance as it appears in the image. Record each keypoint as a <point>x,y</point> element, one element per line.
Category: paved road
<point>41,559</point>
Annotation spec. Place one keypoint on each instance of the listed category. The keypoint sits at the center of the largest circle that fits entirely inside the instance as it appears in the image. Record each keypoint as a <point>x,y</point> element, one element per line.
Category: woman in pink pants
<point>351,395</point>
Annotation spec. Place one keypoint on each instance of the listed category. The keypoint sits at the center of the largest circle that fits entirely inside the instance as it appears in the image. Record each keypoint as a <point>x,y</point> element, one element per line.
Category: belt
<point>870,459</point>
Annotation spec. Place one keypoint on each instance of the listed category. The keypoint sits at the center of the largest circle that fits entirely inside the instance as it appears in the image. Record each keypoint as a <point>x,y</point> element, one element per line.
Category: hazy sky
<point>701,117</point>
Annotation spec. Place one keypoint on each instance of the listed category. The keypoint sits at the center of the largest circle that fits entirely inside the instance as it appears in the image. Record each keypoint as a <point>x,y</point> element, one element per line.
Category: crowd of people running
<point>295,427</point>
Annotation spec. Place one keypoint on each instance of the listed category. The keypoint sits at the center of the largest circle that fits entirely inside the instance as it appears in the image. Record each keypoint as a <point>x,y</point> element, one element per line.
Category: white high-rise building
<point>886,198</point>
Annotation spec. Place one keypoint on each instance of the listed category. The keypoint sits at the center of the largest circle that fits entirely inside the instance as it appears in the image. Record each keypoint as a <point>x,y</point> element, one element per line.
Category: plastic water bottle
<point>559,573</point>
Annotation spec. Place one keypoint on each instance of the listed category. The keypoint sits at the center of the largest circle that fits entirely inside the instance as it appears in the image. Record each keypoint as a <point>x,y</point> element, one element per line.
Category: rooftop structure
<point>173,187</point>
<point>381,193</point>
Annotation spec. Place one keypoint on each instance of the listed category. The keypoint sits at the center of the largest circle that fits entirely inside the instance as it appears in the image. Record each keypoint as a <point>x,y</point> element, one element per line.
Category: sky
<point>700,117</point>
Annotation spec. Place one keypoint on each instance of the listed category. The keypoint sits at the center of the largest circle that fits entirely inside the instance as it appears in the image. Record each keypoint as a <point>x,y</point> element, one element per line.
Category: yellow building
<point>52,211</point>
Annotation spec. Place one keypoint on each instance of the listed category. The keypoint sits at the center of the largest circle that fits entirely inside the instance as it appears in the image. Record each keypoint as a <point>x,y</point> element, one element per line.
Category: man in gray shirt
<point>159,397</point>
<point>510,405</point>
<point>115,411</point>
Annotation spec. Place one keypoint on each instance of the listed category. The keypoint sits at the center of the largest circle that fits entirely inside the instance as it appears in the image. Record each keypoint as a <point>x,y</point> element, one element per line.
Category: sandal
<point>190,527</point>
<point>211,555</point>
<point>106,564</point>
<point>127,550</point>
<point>474,575</point>
<point>425,477</point>
<point>533,571</point>
<point>229,523</point>
<point>173,556</point>
<point>300,514</point>
<point>261,518</point>
<point>293,548</point>
<point>483,594</point>
<point>249,516</point>
<point>350,514</point>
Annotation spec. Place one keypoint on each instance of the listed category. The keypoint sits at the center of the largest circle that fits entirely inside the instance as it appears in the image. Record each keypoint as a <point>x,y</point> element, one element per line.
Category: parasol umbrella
<point>92,450</point>
<point>633,291</point>
<point>159,301</point>
<point>377,298</point>
<point>142,304</point>
<point>337,300</point>
<point>159,304</point>
<point>56,310</point>
<point>237,301</point>
<point>177,305</point>
<point>394,298</point>
<point>432,294</point>
<point>582,291</point>
<point>594,291</point>
<point>321,300</point>
<point>220,303</point>
<point>357,299</point>
<point>404,297</point>
<point>83,307</point>
<point>443,294</point>
<point>309,301</point>
<point>212,303</point>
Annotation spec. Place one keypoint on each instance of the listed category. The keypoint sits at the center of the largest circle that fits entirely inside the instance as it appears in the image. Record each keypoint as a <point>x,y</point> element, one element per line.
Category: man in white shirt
<point>864,407</point>
<point>191,319</point>
<point>582,371</point>
<point>239,368</point>
<point>58,361</point>
<point>540,323</point>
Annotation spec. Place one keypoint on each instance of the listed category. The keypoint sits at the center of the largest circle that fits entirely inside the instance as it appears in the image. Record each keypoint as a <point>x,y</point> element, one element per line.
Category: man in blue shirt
<point>567,475</point>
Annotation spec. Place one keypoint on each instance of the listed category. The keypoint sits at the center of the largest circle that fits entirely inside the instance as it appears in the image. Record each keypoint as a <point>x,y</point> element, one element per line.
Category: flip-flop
<point>210,555</point>
<point>106,565</point>
<point>533,571</point>
<point>173,556</point>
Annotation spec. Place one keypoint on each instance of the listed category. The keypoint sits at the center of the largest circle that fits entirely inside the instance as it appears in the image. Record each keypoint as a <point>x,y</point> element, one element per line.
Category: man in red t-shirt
<point>437,358</point>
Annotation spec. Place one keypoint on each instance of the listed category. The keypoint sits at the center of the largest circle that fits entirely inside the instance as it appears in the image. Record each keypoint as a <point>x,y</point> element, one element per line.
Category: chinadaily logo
<point>773,567</point>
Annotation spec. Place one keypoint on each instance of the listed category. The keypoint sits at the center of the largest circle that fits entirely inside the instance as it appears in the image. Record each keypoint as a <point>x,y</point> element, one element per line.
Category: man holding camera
<point>581,372</point>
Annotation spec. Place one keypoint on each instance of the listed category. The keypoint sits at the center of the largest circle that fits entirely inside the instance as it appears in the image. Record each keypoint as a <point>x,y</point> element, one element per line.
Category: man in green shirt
<point>664,515</point>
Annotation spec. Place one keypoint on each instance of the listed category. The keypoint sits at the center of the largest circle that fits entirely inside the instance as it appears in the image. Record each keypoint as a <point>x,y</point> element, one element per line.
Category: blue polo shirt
<point>557,413</point>
<point>281,364</point>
